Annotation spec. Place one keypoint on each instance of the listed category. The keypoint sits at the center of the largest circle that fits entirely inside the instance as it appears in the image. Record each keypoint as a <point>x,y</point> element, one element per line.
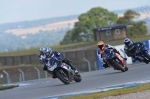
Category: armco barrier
<point>75,56</point>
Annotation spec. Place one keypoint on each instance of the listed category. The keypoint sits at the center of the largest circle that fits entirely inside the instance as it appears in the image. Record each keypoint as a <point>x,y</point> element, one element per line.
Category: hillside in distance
<point>36,23</point>
<point>21,35</point>
<point>48,27</point>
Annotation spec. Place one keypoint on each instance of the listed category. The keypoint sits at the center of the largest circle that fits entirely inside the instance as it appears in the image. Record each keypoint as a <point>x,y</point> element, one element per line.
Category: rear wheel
<point>120,67</point>
<point>62,75</point>
<point>126,68</point>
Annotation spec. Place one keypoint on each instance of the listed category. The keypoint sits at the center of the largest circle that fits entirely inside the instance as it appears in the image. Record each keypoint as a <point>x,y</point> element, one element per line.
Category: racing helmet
<point>100,44</point>
<point>48,51</point>
<point>127,41</point>
<point>42,49</point>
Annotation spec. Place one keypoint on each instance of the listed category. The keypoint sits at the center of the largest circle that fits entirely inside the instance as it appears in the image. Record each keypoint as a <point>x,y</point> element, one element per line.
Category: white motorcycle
<point>63,72</point>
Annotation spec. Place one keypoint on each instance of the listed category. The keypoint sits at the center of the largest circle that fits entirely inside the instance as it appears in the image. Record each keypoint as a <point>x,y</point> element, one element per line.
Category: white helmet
<point>48,51</point>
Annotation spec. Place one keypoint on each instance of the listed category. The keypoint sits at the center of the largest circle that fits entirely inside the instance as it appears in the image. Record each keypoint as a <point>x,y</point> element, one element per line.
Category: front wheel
<point>77,77</point>
<point>120,67</point>
<point>148,57</point>
<point>62,75</point>
<point>126,68</point>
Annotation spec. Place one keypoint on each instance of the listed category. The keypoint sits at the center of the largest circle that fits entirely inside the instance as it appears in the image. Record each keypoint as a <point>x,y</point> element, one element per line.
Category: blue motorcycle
<point>142,53</point>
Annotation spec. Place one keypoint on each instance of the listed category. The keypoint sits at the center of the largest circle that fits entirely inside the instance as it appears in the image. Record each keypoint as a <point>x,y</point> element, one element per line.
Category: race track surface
<point>90,80</point>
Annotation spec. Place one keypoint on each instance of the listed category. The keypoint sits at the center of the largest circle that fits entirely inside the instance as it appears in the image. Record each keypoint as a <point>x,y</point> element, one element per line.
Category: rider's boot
<point>45,67</point>
<point>133,59</point>
<point>68,62</point>
<point>73,68</point>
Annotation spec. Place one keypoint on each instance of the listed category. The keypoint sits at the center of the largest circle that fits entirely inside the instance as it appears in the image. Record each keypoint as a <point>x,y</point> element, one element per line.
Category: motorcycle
<point>142,53</point>
<point>63,72</point>
<point>115,60</point>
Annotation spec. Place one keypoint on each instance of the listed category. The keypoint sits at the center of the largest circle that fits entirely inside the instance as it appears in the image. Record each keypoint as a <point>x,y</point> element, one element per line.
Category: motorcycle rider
<point>42,55</point>
<point>130,49</point>
<point>52,55</point>
<point>101,47</point>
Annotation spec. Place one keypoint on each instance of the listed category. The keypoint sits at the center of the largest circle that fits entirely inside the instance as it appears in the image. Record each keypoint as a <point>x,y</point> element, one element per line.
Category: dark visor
<point>100,46</point>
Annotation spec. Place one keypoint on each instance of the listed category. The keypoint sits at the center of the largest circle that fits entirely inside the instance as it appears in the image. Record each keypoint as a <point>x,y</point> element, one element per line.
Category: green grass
<point>114,92</point>
<point>6,67</point>
<point>71,46</point>
<point>7,87</point>
<point>58,48</point>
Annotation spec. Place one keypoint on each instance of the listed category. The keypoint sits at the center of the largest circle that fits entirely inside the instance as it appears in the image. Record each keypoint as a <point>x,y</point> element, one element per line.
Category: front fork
<point>146,52</point>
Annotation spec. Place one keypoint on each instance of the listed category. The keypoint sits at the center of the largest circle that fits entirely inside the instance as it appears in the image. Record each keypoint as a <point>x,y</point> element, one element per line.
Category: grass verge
<point>114,92</point>
<point>6,67</point>
<point>58,48</point>
<point>7,87</point>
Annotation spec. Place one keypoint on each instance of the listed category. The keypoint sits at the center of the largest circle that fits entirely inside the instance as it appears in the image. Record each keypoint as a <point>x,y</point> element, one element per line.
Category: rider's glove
<point>105,65</point>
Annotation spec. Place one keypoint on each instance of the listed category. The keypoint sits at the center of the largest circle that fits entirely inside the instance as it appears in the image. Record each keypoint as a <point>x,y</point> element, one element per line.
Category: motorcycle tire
<point>77,78</point>
<point>126,68</point>
<point>119,66</point>
<point>147,56</point>
<point>62,78</point>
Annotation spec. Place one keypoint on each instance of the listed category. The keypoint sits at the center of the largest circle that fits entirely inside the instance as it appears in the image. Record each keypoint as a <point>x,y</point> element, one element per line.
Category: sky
<point>25,10</point>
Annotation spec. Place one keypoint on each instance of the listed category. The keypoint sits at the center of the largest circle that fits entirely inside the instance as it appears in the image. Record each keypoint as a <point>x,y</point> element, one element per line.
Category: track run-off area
<point>48,87</point>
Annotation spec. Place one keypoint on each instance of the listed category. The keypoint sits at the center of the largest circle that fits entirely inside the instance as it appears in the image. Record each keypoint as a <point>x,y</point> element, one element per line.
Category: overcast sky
<point>21,10</point>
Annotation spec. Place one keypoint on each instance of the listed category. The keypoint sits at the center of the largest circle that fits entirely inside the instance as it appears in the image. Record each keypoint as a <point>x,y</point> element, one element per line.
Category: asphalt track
<point>49,87</point>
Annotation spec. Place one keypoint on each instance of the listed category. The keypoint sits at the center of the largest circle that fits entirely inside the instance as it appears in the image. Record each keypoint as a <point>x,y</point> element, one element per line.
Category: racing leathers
<point>41,57</point>
<point>50,60</point>
<point>102,55</point>
<point>130,50</point>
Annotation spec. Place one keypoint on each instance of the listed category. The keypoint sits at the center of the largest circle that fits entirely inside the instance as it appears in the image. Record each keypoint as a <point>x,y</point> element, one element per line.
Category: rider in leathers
<point>42,55</point>
<point>101,47</point>
<point>130,49</point>
<point>51,56</point>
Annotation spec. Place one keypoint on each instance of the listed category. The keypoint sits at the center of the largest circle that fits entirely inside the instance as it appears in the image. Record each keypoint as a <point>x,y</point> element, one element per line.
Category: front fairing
<point>109,55</point>
<point>51,61</point>
<point>141,50</point>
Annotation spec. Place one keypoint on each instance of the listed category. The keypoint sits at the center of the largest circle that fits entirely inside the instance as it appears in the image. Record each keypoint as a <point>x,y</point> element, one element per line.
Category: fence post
<point>46,74</point>
<point>89,65</point>
<point>38,72</point>
<point>22,74</point>
<point>1,75</point>
<point>7,75</point>
<point>20,78</point>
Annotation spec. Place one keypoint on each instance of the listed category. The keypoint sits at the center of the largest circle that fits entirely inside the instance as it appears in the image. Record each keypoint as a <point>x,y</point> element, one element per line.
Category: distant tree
<point>139,28</point>
<point>95,17</point>
<point>67,38</point>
